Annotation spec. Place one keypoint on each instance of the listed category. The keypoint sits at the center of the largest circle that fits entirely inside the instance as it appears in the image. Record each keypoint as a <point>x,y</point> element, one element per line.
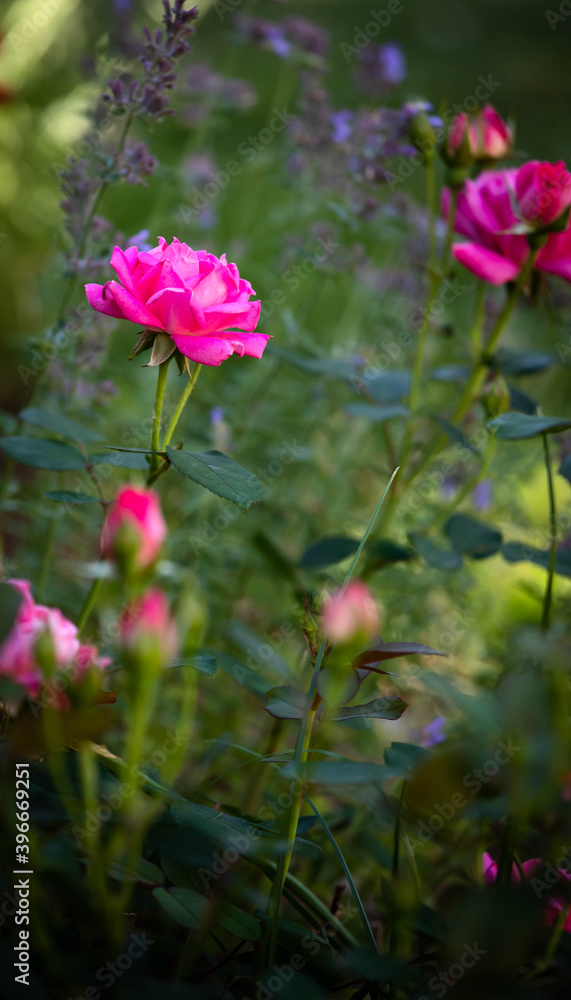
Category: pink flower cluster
<point>501,210</point>
<point>535,869</point>
<point>21,656</point>
<point>198,299</point>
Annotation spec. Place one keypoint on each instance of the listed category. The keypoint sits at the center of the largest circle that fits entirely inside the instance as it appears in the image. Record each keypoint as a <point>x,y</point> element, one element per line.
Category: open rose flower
<point>485,213</point>
<point>198,299</point>
<point>41,634</point>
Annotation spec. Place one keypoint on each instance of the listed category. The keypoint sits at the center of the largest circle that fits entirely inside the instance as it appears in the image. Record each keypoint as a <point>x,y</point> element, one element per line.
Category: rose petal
<point>485,263</point>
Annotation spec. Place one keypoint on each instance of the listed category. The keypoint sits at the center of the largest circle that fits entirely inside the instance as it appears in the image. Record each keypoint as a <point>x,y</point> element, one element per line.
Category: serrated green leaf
<point>285,702</point>
<point>381,708</point>
<point>433,555</point>
<point>388,387</point>
<point>370,411</point>
<point>69,496</point>
<point>455,434</point>
<point>328,552</point>
<point>59,424</point>
<point>514,552</point>
<point>185,906</point>
<point>523,362</point>
<point>471,537</point>
<point>42,453</point>
<point>219,474</point>
<point>513,426</point>
<point>201,661</point>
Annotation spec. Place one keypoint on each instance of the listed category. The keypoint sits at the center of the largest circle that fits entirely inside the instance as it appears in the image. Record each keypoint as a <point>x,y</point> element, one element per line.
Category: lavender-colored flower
<point>216,415</point>
<point>380,67</point>
<point>294,36</point>
<point>482,495</point>
<point>432,734</point>
<point>208,91</point>
<point>341,122</point>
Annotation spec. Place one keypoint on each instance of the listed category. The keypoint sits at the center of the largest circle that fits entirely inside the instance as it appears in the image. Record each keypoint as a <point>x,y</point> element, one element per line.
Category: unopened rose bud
<point>350,613</point>
<point>148,632</point>
<point>496,396</point>
<point>134,530</point>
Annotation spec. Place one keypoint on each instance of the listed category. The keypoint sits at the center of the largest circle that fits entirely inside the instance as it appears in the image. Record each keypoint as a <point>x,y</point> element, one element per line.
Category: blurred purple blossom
<point>482,495</point>
<point>207,92</point>
<point>380,67</point>
<point>433,733</point>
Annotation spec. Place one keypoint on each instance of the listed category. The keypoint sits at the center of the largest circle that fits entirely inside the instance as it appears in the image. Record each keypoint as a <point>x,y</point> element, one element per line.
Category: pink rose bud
<point>479,137</point>
<point>458,141</point>
<point>135,529</point>
<point>490,137</point>
<point>350,613</point>
<point>543,192</point>
<point>148,630</point>
<point>196,298</point>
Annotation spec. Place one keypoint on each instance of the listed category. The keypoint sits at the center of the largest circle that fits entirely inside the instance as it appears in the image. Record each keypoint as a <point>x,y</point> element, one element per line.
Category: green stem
<point>157,415</point>
<point>546,616</point>
<point>450,228</point>
<point>476,331</point>
<point>88,603</point>
<point>436,279</point>
<point>431,199</point>
<point>46,558</point>
<point>479,368</point>
<point>181,405</point>
<point>289,832</point>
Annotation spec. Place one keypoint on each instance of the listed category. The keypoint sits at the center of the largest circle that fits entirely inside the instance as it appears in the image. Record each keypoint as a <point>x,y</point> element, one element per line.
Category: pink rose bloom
<point>350,613</point>
<point>485,212</point>
<point>194,296</point>
<point>150,618</point>
<point>534,868</point>
<point>18,657</point>
<point>134,522</point>
<point>88,659</point>
<point>543,191</point>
